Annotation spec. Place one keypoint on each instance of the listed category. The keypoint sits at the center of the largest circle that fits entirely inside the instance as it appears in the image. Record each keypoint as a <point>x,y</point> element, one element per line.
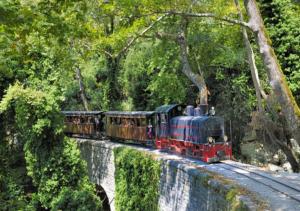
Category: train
<point>185,130</point>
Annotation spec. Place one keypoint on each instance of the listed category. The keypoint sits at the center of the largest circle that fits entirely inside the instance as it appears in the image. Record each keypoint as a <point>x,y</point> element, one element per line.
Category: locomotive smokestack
<point>203,109</point>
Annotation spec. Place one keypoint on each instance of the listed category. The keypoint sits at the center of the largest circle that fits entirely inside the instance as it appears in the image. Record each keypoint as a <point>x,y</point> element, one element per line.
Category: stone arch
<point>103,197</point>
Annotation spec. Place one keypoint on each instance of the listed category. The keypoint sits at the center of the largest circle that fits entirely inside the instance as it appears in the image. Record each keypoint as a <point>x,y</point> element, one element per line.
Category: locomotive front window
<point>163,118</point>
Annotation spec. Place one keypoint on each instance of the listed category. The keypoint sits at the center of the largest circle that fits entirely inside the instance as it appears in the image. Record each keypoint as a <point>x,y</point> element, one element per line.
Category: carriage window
<point>138,122</point>
<point>113,120</point>
<point>134,122</point>
<point>143,122</point>
<point>131,122</point>
<point>89,120</point>
<point>76,120</point>
<point>158,119</point>
<point>117,120</point>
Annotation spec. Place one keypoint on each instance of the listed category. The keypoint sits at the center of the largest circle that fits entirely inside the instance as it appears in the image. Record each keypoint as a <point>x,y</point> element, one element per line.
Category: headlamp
<point>225,138</point>
<point>210,140</point>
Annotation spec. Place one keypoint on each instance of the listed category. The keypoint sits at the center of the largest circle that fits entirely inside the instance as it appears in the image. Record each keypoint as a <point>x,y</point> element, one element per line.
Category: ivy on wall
<point>137,180</point>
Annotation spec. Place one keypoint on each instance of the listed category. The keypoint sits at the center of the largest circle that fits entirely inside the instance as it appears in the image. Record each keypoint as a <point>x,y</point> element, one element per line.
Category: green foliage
<point>150,75</point>
<point>137,180</point>
<point>70,199</point>
<point>164,91</point>
<point>52,160</point>
<point>234,96</point>
<point>42,42</point>
<point>12,196</point>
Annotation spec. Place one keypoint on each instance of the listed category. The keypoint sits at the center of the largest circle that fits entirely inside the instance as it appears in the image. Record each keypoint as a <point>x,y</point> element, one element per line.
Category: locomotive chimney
<point>203,109</point>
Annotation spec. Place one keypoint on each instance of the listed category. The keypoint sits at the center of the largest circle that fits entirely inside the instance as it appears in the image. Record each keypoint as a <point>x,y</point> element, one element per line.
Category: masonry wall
<point>100,164</point>
<point>181,187</point>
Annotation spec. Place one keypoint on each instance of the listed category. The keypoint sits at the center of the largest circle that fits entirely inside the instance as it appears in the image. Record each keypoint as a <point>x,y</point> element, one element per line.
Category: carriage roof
<point>82,113</point>
<point>168,108</point>
<point>129,113</point>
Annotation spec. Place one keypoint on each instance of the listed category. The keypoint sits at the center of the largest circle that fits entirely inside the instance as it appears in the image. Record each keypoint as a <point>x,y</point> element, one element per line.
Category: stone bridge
<point>180,188</point>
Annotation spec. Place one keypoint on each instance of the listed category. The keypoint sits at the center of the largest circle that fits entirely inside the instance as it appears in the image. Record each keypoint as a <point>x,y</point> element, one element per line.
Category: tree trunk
<point>81,89</point>
<point>113,65</point>
<point>197,79</point>
<point>277,80</point>
<point>254,73</point>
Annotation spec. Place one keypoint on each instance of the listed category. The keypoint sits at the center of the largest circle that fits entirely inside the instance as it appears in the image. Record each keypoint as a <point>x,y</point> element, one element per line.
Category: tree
<point>277,80</point>
<point>52,160</point>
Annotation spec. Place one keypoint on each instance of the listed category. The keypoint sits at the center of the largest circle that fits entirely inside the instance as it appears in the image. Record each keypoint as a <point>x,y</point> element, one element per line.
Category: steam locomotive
<point>189,131</point>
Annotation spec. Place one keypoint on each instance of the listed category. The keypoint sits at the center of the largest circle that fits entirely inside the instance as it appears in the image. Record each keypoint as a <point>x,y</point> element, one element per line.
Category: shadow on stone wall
<point>97,158</point>
<point>205,193</point>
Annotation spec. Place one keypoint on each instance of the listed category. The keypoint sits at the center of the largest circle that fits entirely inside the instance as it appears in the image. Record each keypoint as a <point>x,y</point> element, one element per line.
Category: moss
<point>283,82</point>
<point>204,181</point>
<point>235,204</point>
<point>137,177</point>
<point>231,191</point>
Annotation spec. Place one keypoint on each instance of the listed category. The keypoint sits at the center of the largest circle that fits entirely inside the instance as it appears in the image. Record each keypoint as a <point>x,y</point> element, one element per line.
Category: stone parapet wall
<point>183,187</point>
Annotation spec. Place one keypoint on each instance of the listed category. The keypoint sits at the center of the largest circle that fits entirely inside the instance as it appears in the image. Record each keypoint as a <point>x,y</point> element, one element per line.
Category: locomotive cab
<point>162,119</point>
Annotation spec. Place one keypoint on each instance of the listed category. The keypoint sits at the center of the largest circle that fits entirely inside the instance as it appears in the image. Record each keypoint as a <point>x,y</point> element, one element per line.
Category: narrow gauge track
<point>261,178</point>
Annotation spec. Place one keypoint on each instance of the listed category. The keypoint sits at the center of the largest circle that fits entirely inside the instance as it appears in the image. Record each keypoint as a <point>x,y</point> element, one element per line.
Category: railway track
<point>290,190</point>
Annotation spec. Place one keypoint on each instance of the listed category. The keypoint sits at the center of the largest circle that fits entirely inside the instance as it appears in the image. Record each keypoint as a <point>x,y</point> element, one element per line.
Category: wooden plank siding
<point>127,132</point>
<point>80,128</point>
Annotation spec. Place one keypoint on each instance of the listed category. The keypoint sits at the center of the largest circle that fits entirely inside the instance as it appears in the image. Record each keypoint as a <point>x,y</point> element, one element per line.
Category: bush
<point>137,180</point>
<point>52,160</point>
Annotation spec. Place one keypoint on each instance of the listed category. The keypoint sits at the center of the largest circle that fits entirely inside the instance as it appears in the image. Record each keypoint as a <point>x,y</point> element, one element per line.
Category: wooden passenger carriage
<point>83,123</point>
<point>136,126</point>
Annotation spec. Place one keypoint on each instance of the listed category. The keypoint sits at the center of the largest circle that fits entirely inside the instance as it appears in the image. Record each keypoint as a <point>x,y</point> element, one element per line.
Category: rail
<point>264,179</point>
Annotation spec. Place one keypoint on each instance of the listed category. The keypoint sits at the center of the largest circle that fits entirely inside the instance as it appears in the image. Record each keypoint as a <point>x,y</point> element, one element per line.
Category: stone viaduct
<point>180,188</point>
<point>186,184</point>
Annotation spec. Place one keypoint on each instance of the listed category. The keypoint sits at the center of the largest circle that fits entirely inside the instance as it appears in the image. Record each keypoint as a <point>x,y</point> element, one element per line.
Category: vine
<point>137,180</point>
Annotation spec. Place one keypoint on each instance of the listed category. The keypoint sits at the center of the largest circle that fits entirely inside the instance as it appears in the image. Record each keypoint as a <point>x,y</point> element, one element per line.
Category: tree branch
<point>140,34</point>
<point>210,15</point>
<point>251,59</point>
<point>161,35</point>
<point>107,53</point>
